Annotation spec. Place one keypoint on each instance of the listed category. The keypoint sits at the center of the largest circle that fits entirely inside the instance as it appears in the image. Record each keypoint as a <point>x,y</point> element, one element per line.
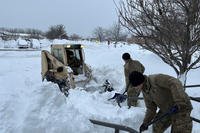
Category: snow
<point>29,105</point>
<point>36,43</point>
<point>21,41</point>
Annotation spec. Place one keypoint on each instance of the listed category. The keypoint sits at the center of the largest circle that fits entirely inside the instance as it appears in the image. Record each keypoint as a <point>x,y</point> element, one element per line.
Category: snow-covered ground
<point>28,105</point>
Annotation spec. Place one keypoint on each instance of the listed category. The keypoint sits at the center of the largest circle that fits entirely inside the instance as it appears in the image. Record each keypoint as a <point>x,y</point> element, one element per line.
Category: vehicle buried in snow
<point>65,65</point>
<point>23,44</point>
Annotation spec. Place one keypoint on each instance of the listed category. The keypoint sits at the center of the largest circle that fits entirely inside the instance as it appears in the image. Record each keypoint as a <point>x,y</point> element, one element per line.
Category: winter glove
<point>174,109</point>
<point>179,107</point>
<point>143,127</point>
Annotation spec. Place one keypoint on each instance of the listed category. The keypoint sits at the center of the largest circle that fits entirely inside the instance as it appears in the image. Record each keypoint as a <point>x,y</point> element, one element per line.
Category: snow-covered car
<point>23,44</point>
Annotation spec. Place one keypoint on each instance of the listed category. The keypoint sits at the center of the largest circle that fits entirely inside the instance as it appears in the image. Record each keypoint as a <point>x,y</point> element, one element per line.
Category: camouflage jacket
<point>163,91</point>
<point>130,66</point>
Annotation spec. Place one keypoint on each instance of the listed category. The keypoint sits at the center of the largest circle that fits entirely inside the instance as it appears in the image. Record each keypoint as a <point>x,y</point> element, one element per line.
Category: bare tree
<point>34,33</point>
<point>57,32</point>
<point>75,37</point>
<point>115,33</point>
<point>15,33</point>
<point>170,29</point>
<point>99,33</point>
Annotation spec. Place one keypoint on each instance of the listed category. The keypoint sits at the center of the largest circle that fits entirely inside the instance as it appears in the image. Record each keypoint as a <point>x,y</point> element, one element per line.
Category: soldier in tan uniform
<point>130,66</point>
<point>164,92</point>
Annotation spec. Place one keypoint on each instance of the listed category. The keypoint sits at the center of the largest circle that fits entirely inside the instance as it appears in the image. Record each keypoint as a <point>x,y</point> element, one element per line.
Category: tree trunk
<point>183,78</point>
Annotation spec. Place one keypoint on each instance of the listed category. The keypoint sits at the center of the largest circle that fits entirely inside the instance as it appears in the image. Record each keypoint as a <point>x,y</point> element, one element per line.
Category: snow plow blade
<point>117,127</point>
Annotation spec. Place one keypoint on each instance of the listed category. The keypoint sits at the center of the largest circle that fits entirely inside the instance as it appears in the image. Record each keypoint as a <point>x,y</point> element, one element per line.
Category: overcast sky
<point>78,16</point>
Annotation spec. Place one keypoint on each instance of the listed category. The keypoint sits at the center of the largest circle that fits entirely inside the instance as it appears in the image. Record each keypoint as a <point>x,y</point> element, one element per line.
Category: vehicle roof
<point>66,45</point>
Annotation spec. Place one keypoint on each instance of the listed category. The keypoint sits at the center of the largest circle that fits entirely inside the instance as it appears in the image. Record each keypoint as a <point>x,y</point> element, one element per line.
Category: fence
<point>191,86</point>
<point>197,99</point>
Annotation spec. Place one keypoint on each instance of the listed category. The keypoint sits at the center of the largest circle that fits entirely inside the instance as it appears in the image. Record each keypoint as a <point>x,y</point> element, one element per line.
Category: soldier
<point>130,66</point>
<point>73,62</point>
<point>166,93</point>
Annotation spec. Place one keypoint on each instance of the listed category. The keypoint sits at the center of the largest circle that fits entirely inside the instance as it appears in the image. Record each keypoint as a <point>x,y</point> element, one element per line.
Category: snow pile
<point>28,105</point>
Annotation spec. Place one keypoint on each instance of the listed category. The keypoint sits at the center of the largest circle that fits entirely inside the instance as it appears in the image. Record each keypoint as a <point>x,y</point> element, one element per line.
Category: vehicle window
<point>77,54</point>
<point>74,60</point>
<point>74,53</point>
<point>58,54</point>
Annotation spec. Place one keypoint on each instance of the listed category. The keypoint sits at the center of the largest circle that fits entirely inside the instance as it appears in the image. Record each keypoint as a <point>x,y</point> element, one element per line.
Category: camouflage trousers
<point>180,123</point>
<point>132,92</point>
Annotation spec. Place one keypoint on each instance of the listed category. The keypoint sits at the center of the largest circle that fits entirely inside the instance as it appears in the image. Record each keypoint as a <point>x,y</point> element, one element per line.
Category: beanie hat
<point>126,56</point>
<point>136,78</point>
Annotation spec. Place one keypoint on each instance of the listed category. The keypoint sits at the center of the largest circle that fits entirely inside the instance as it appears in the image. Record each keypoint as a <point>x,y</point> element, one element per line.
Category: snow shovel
<point>121,98</point>
<point>117,127</point>
<point>171,111</point>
